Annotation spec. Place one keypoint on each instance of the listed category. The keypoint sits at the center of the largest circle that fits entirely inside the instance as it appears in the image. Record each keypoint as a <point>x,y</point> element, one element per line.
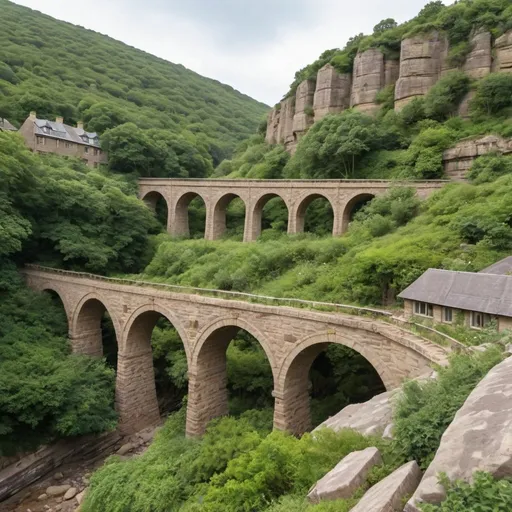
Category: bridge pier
<point>87,342</point>
<point>136,400</point>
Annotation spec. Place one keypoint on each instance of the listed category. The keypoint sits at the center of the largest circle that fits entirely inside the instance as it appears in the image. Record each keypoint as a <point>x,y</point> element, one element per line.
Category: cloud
<point>255,46</point>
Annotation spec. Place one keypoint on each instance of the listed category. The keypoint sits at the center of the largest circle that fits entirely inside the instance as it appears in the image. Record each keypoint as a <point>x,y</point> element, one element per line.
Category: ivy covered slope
<point>56,68</point>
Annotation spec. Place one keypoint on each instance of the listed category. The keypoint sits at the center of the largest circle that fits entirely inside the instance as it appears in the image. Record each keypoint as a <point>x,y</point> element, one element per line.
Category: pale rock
<point>71,493</point>
<point>479,61</point>
<point>369,418</point>
<point>302,119</point>
<point>368,79</point>
<point>273,118</point>
<point>285,127</point>
<point>57,490</point>
<point>387,495</point>
<point>126,448</point>
<point>80,496</point>
<point>478,439</point>
<point>346,477</point>
<point>58,476</point>
<point>332,93</point>
<point>42,497</point>
<point>503,47</point>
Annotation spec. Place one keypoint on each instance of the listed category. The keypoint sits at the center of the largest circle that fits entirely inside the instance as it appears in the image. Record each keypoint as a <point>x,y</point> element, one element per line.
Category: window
<point>448,315</point>
<point>69,145</point>
<point>86,149</point>
<point>40,140</point>
<point>96,152</point>
<point>423,309</point>
<point>479,320</point>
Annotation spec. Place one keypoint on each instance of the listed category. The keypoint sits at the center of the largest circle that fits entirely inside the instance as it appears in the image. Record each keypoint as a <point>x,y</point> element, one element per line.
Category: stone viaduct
<point>343,195</point>
<point>291,338</point>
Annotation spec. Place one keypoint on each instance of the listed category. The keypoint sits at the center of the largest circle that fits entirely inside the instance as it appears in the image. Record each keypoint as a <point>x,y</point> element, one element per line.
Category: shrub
<point>445,96</point>
<point>493,94</point>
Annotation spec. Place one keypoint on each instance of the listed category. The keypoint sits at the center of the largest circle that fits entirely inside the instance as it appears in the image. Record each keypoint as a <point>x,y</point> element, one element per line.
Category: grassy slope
<point>58,68</point>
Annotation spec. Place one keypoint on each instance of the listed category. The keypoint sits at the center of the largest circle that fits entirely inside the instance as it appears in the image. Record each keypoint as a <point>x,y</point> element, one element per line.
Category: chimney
<point>59,119</point>
<point>80,125</point>
<point>33,115</point>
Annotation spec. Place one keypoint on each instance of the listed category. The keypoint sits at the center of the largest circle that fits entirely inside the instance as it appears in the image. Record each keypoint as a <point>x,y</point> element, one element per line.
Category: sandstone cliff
<point>369,79</point>
<point>332,94</point>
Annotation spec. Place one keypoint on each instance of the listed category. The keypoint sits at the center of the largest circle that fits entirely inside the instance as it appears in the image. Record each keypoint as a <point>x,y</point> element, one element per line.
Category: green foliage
<point>426,409</point>
<point>493,94</point>
<point>45,68</point>
<point>485,493</point>
<point>489,167</point>
<point>46,393</point>
<point>445,96</point>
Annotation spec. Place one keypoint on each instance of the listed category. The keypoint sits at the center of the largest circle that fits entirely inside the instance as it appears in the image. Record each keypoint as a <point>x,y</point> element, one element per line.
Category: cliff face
<point>422,62</point>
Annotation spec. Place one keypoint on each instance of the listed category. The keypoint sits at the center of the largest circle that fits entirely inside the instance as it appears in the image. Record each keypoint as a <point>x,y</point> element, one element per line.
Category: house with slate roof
<point>475,298</point>
<point>6,126</point>
<point>45,136</point>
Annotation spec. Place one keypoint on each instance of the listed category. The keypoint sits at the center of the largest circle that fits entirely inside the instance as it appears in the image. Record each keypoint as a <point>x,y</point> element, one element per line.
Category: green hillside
<point>57,68</point>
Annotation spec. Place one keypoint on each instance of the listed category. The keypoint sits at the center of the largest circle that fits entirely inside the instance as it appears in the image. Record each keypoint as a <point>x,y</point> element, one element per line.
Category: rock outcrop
<point>332,93</point>
<point>303,117</point>
<point>273,126</point>
<point>391,72</point>
<point>346,477</point>
<point>285,129</point>
<point>478,439</point>
<point>503,47</point>
<point>421,63</point>
<point>479,61</point>
<point>458,160</point>
<point>368,79</point>
<point>373,417</point>
<point>387,495</point>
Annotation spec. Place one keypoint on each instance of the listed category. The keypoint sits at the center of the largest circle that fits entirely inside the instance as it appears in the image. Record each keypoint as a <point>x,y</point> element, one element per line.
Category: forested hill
<point>57,68</point>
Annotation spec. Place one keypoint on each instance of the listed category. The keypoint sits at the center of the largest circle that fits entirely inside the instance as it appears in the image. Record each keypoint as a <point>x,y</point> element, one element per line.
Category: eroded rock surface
<point>503,47</point>
<point>332,93</point>
<point>303,117</point>
<point>346,477</point>
<point>368,80</point>
<point>479,62</point>
<point>421,63</point>
<point>285,129</point>
<point>479,438</point>
<point>273,126</point>
<point>387,495</point>
<point>373,417</point>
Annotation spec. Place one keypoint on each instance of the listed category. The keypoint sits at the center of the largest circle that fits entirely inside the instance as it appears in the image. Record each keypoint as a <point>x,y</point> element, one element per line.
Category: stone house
<point>476,299</point>
<point>6,126</point>
<point>45,136</point>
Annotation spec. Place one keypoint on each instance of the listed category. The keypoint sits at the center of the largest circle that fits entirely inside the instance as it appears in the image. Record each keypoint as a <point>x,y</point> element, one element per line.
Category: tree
<point>384,25</point>
<point>493,94</point>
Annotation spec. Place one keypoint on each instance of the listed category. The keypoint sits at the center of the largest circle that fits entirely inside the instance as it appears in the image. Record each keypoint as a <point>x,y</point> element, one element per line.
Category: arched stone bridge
<point>291,338</point>
<point>343,195</point>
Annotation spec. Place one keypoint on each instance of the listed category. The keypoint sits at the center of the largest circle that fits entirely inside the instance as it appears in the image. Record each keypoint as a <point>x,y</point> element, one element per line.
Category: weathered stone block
<point>387,495</point>
<point>503,47</point>
<point>346,477</point>
<point>368,79</point>
<point>479,438</point>
<point>332,93</point>
<point>479,61</point>
<point>57,490</point>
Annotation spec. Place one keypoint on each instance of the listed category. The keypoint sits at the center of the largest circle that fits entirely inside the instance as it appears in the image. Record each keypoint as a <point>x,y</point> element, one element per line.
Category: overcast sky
<point>254,45</point>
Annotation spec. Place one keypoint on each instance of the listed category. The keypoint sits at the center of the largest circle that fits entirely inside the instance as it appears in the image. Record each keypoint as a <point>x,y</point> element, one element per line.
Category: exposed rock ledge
<point>478,439</point>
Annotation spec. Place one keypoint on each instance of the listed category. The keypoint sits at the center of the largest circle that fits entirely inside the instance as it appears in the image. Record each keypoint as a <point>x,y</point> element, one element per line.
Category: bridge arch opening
<point>315,214</point>
<point>269,217</point>
<point>93,332</point>
<point>157,202</point>
<point>322,379</point>
<point>152,370</point>
<point>58,316</point>
<point>228,217</point>
<point>189,216</point>
<point>353,206</point>
<point>231,373</point>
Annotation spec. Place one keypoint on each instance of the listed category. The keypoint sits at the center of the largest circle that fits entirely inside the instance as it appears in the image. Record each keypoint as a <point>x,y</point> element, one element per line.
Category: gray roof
<point>65,132</point>
<point>5,125</point>
<point>503,267</point>
<point>486,293</point>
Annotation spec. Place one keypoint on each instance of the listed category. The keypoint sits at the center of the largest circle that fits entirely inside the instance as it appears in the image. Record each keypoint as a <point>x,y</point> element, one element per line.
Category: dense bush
<point>485,493</point>
<point>427,408</point>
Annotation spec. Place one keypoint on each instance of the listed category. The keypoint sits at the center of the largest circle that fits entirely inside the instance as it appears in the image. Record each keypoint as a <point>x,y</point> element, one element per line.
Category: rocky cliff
<point>423,60</point>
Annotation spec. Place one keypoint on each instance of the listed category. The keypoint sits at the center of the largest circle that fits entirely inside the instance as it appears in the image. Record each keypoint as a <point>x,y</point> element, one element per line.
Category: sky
<point>256,46</point>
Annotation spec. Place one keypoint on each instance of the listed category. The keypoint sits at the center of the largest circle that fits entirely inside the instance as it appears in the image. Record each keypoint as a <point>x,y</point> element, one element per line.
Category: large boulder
<point>373,417</point>
<point>387,495</point>
<point>478,439</point>
<point>346,477</point>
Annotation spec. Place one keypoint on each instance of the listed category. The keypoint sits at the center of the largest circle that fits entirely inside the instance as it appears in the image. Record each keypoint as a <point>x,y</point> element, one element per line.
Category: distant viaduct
<point>291,338</point>
<point>343,195</point>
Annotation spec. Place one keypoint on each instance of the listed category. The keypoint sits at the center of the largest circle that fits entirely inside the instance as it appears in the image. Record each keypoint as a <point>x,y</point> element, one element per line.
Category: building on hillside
<point>6,126</point>
<point>475,299</point>
<point>45,136</point>
<point>503,267</point>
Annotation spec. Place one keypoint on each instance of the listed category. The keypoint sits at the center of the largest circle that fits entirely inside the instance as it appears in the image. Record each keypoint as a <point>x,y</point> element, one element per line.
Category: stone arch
<point>180,215</point>
<point>256,215</point>
<point>85,332</point>
<point>352,206</point>
<point>62,296</point>
<point>208,396</point>
<point>136,397</point>
<point>217,222</point>
<point>292,410</point>
<point>300,213</point>
<point>151,199</point>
